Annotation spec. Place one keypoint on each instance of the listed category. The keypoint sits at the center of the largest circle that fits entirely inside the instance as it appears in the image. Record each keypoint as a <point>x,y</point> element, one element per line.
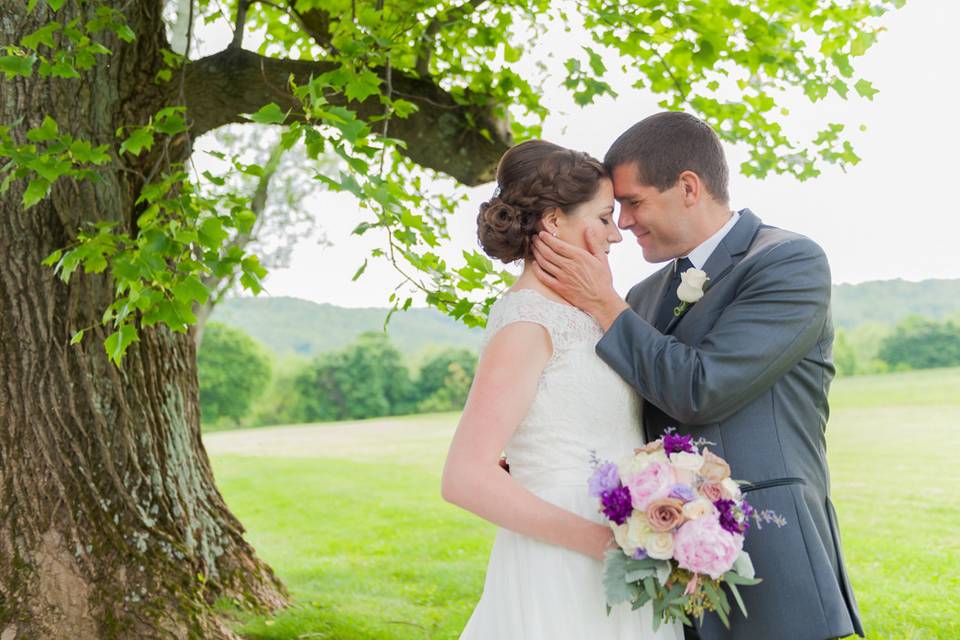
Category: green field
<point>350,516</point>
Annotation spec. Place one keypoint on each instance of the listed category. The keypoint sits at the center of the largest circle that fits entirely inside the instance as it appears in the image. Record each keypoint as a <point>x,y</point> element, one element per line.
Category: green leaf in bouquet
<point>636,575</point>
<point>731,577</point>
<point>743,566</point>
<point>736,596</point>
<point>641,598</point>
<point>663,571</point>
<point>651,588</point>
<point>682,617</point>
<point>676,595</point>
<point>717,598</point>
<point>615,577</point>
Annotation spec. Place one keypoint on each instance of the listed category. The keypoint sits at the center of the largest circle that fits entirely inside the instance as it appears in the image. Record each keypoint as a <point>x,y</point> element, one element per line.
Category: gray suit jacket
<point>748,367</point>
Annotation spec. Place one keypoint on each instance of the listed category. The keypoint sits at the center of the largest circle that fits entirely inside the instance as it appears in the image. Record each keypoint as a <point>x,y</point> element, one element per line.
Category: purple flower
<point>681,492</point>
<point>676,444</point>
<point>605,478</point>
<point>733,518</point>
<point>639,554</point>
<point>616,504</point>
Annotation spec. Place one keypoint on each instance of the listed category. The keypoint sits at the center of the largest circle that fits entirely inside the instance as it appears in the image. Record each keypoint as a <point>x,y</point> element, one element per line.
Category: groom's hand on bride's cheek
<point>582,277</point>
<point>566,269</point>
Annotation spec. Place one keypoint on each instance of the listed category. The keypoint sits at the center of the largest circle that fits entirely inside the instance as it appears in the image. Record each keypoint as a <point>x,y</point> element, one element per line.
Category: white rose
<point>731,487</point>
<point>698,508</point>
<point>659,545</point>
<point>620,535</point>
<point>689,461</point>
<point>638,462</point>
<point>691,285</point>
<point>638,529</point>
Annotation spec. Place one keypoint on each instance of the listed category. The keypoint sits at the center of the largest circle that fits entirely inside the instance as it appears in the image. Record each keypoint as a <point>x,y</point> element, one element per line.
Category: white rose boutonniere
<point>692,282</point>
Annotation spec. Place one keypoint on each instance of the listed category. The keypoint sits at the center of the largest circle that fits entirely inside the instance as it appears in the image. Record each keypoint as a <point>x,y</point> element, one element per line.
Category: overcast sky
<point>892,216</point>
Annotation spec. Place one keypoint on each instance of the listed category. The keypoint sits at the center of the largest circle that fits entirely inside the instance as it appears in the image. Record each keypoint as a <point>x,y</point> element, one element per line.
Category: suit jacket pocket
<point>766,484</point>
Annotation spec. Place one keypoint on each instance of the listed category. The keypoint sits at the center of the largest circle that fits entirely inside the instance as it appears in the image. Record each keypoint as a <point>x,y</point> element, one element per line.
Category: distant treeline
<point>242,384</point>
<point>913,343</point>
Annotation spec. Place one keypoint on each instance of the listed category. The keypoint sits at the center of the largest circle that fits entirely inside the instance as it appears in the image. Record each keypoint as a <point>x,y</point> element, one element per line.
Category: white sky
<point>892,216</point>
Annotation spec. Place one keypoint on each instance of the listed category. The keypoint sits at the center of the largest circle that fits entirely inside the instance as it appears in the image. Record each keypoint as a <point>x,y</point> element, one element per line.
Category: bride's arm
<point>502,392</point>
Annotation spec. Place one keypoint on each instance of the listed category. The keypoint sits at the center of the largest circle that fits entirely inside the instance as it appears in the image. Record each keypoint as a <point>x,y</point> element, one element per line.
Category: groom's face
<point>656,218</point>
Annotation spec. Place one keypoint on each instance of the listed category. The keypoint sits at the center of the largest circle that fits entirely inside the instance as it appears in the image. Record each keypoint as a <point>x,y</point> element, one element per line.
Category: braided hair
<point>533,178</point>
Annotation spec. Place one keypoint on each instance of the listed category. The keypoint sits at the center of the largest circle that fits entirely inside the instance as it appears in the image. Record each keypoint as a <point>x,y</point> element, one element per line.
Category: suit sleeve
<point>776,318</point>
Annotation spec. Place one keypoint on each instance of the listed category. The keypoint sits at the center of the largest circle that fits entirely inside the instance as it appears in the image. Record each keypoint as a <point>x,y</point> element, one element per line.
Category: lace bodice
<point>581,405</point>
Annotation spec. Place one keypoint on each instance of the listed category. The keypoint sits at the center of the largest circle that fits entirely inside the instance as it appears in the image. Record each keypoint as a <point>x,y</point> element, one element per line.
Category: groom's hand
<point>583,278</point>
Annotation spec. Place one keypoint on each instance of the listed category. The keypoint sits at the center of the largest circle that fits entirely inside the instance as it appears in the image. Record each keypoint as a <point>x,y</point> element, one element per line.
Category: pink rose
<point>665,514</point>
<point>703,546</point>
<point>712,491</point>
<point>651,483</point>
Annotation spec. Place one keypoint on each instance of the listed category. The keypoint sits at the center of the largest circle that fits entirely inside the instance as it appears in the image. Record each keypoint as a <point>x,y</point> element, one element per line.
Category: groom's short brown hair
<point>666,144</point>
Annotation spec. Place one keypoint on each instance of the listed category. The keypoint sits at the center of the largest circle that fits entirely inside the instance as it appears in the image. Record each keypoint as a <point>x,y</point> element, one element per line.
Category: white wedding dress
<point>534,590</point>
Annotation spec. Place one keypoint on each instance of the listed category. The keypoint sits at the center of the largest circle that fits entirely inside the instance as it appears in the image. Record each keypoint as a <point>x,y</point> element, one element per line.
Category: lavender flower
<point>616,504</point>
<point>639,554</point>
<point>676,444</point>
<point>681,492</point>
<point>605,478</point>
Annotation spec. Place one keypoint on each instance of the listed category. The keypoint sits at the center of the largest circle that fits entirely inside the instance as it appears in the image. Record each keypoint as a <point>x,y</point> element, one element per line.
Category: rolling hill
<point>294,326</point>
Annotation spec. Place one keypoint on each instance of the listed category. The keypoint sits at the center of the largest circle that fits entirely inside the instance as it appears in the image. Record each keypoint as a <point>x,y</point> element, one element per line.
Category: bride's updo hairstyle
<point>533,178</point>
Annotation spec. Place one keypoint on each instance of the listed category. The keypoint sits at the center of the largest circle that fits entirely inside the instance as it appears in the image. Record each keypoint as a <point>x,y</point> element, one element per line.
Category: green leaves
<point>269,114</point>
<point>17,65</point>
<point>36,191</point>
<point>117,342</point>
<point>865,89</point>
<point>360,86</point>
<point>45,132</point>
<point>42,36</point>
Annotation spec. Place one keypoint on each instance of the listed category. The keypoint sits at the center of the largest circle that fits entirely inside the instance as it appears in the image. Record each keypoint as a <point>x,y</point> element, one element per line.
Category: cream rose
<point>638,462</point>
<point>620,535</point>
<point>730,487</point>
<point>637,530</point>
<point>690,461</point>
<point>691,285</point>
<point>698,508</point>
<point>659,545</point>
<point>715,468</point>
<point>650,447</point>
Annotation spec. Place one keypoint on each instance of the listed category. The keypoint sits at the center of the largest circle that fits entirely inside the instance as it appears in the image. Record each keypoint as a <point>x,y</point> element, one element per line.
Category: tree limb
<point>222,87</point>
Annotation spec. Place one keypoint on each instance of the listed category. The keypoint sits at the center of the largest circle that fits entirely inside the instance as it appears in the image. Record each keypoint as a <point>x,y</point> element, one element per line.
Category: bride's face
<point>596,214</point>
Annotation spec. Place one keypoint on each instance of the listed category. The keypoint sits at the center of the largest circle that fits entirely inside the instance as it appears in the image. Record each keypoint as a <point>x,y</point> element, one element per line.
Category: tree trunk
<point>111,525</point>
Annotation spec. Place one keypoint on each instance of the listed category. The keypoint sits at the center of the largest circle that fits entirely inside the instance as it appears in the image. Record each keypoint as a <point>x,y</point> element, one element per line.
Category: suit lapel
<point>723,258</point>
<point>651,311</point>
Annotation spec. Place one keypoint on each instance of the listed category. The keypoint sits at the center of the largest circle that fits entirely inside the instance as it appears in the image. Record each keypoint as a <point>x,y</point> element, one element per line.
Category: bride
<point>544,397</point>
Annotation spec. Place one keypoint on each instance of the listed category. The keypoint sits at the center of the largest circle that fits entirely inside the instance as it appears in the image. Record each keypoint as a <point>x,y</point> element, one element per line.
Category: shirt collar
<point>699,256</point>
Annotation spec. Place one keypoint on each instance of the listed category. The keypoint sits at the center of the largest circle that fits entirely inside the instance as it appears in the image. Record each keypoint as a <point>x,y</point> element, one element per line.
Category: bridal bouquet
<point>679,521</point>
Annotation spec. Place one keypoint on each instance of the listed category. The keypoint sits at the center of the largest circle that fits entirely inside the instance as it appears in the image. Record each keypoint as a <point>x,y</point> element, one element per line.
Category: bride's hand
<point>604,542</point>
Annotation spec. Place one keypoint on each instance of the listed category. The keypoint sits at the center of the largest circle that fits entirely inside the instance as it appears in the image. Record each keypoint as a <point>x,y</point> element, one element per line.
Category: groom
<point>747,367</point>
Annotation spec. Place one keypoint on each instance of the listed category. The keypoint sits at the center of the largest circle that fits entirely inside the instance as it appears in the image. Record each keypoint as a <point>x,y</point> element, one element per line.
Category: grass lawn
<point>350,516</point>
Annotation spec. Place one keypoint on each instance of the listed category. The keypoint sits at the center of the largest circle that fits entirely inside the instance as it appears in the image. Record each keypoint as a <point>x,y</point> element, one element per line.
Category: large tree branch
<point>222,87</point>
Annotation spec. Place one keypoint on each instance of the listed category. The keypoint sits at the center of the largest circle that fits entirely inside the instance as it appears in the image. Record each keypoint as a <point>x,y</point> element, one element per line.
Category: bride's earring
<point>555,234</point>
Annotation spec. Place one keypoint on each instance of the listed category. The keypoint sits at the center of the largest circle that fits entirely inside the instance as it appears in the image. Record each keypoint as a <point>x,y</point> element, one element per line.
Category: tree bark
<point>111,525</point>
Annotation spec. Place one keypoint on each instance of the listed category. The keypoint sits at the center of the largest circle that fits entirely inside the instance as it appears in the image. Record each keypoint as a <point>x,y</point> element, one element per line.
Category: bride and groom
<point>569,370</point>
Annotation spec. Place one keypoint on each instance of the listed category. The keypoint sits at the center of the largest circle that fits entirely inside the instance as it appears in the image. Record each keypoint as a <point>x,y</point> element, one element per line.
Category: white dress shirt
<point>702,253</point>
